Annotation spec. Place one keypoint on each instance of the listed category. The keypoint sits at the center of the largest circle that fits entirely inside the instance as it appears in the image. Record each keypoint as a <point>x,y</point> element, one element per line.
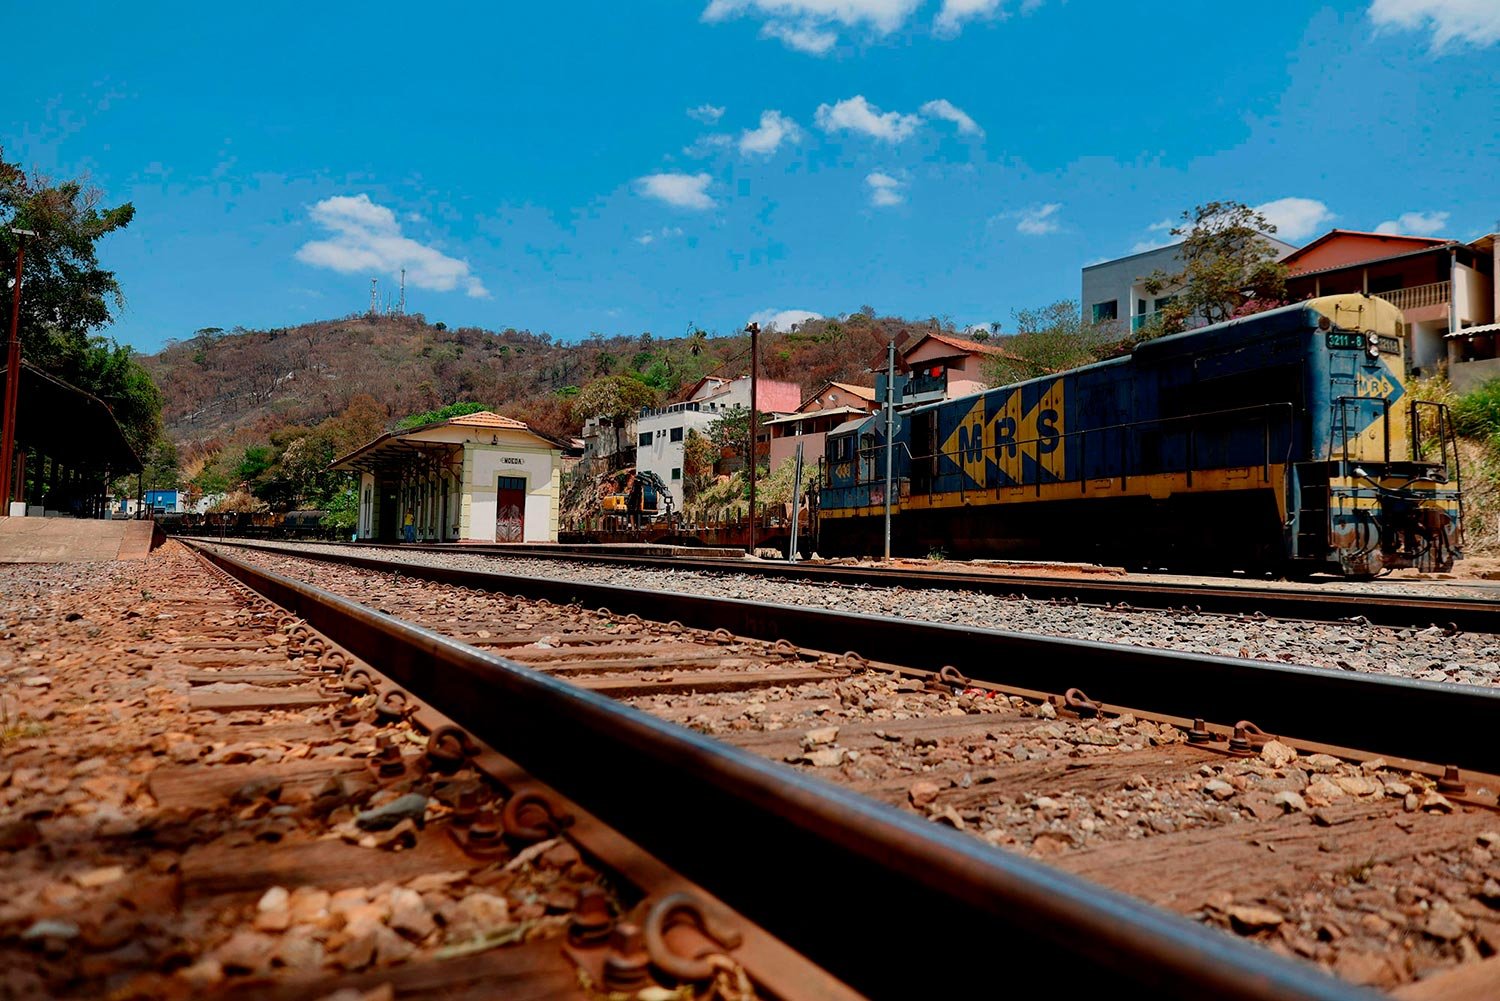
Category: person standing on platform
<point>410,526</point>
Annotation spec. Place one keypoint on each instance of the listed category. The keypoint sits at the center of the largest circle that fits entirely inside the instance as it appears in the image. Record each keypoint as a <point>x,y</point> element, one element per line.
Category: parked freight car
<point>1284,441</point>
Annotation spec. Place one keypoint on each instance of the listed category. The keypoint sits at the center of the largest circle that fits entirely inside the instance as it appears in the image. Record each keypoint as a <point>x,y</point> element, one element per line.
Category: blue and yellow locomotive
<point>1282,442</point>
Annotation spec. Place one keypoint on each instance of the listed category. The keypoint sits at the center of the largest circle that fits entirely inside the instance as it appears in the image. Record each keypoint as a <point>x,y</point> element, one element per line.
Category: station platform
<point>75,540</point>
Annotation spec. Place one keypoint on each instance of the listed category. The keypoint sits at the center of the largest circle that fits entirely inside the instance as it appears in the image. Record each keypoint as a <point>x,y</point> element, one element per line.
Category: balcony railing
<point>1418,295</point>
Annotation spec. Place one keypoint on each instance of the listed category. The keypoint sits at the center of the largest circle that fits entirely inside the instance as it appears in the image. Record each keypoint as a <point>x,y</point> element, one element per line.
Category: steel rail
<point>1425,721</point>
<point>890,904</point>
<point>1477,615</point>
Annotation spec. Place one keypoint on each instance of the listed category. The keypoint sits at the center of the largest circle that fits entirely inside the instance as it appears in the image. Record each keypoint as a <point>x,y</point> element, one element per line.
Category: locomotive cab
<point>1387,493</point>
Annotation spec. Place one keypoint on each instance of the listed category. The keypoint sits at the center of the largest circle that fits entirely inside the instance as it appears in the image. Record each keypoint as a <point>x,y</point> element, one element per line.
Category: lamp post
<point>12,379</point>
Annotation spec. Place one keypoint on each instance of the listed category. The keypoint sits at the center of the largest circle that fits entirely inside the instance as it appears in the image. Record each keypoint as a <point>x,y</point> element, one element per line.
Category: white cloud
<point>1039,221</point>
<point>775,128</point>
<point>1141,246</point>
<point>1467,22</point>
<point>685,191</point>
<point>1166,239</point>
<point>885,190</point>
<point>950,19</point>
<point>782,319</point>
<point>366,237</point>
<point>651,236</point>
<point>708,114</point>
<point>945,109</point>
<point>802,37</point>
<point>1295,218</point>
<point>1414,223</point>
<point>955,12</point>
<point>858,115</point>
<point>709,144</point>
<point>811,26</point>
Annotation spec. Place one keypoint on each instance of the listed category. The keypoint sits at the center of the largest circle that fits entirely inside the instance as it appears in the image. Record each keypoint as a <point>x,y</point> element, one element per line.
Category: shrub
<point>1476,414</point>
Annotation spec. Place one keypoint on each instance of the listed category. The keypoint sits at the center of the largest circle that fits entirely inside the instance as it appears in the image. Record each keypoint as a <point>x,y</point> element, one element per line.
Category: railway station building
<point>68,450</point>
<point>477,478</point>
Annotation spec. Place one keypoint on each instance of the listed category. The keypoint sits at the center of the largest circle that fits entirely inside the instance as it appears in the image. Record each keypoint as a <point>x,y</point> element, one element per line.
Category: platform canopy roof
<point>70,425</point>
<point>397,451</point>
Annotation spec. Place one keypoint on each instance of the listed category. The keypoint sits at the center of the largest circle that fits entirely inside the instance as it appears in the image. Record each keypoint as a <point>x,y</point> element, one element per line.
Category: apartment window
<point>1164,302</point>
<point>645,439</point>
<point>676,472</point>
<point>1140,307</point>
<point>676,434</point>
<point>1106,310</point>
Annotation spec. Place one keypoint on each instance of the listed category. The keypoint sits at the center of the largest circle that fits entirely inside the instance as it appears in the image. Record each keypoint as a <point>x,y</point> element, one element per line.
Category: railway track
<point>1275,840</point>
<point>205,796</point>
<point>1307,602</point>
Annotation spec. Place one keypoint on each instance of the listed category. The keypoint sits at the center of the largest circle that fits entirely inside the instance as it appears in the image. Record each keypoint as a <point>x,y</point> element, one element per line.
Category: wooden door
<point>510,509</point>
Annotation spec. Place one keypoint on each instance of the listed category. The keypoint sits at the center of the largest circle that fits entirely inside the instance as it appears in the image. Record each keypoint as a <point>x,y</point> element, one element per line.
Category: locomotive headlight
<point>1372,344</point>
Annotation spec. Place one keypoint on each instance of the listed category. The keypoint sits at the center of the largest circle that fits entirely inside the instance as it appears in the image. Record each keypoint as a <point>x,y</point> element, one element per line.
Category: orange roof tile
<point>488,419</point>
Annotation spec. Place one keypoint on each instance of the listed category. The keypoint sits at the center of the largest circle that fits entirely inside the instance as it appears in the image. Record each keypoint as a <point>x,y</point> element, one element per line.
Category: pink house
<point>941,362</point>
<point>831,405</point>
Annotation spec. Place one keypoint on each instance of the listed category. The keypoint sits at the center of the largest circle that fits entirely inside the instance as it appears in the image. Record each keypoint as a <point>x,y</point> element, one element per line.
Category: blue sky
<point>620,167</point>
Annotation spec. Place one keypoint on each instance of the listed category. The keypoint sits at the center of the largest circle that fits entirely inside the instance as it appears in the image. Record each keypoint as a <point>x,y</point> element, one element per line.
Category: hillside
<point>227,392</point>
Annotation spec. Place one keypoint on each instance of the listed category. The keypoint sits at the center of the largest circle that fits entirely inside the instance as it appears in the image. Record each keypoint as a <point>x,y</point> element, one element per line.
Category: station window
<point>1106,310</point>
<point>677,434</point>
<point>676,472</point>
<point>645,439</point>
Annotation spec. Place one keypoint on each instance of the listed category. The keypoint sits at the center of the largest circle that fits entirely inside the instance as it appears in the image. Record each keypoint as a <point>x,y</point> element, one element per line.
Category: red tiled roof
<point>488,419</point>
<point>972,347</point>
<point>866,393</point>
<point>1290,260</point>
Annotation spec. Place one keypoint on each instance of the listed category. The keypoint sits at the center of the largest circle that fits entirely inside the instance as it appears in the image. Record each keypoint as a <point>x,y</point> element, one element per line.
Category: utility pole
<point>401,310</point>
<point>890,445</point>
<point>791,553</point>
<point>754,330</point>
<point>12,379</point>
<point>374,297</point>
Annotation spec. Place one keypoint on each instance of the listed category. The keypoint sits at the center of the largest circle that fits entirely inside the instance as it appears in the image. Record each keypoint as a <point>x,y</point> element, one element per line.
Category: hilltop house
<point>1446,289</point>
<point>831,405</point>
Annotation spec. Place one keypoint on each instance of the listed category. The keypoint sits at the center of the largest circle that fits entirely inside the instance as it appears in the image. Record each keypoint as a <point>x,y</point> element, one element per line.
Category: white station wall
<point>485,464</point>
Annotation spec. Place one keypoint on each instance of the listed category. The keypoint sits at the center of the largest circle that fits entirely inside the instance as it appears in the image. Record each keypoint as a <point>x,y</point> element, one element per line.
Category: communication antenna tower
<point>401,309</point>
<point>374,296</point>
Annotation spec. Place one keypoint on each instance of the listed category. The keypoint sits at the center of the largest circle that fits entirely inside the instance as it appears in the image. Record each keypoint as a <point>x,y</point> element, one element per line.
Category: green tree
<point>1227,266</point>
<point>613,397</point>
<point>1052,338</point>
<point>447,413</point>
<point>66,295</point>
<point>698,457</point>
<point>255,460</point>
<point>342,510</point>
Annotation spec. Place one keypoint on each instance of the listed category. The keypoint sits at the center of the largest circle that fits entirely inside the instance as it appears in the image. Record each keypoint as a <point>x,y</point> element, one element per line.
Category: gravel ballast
<point>1428,654</point>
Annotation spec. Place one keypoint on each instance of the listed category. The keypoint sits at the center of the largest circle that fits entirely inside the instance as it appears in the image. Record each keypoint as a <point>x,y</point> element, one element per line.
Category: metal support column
<point>890,445</point>
<point>12,380</point>
<point>754,330</point>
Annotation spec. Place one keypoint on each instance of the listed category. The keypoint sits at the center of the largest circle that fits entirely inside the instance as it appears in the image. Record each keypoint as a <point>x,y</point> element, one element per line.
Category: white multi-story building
<point>661,433</point>
<point>1116,290</point>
